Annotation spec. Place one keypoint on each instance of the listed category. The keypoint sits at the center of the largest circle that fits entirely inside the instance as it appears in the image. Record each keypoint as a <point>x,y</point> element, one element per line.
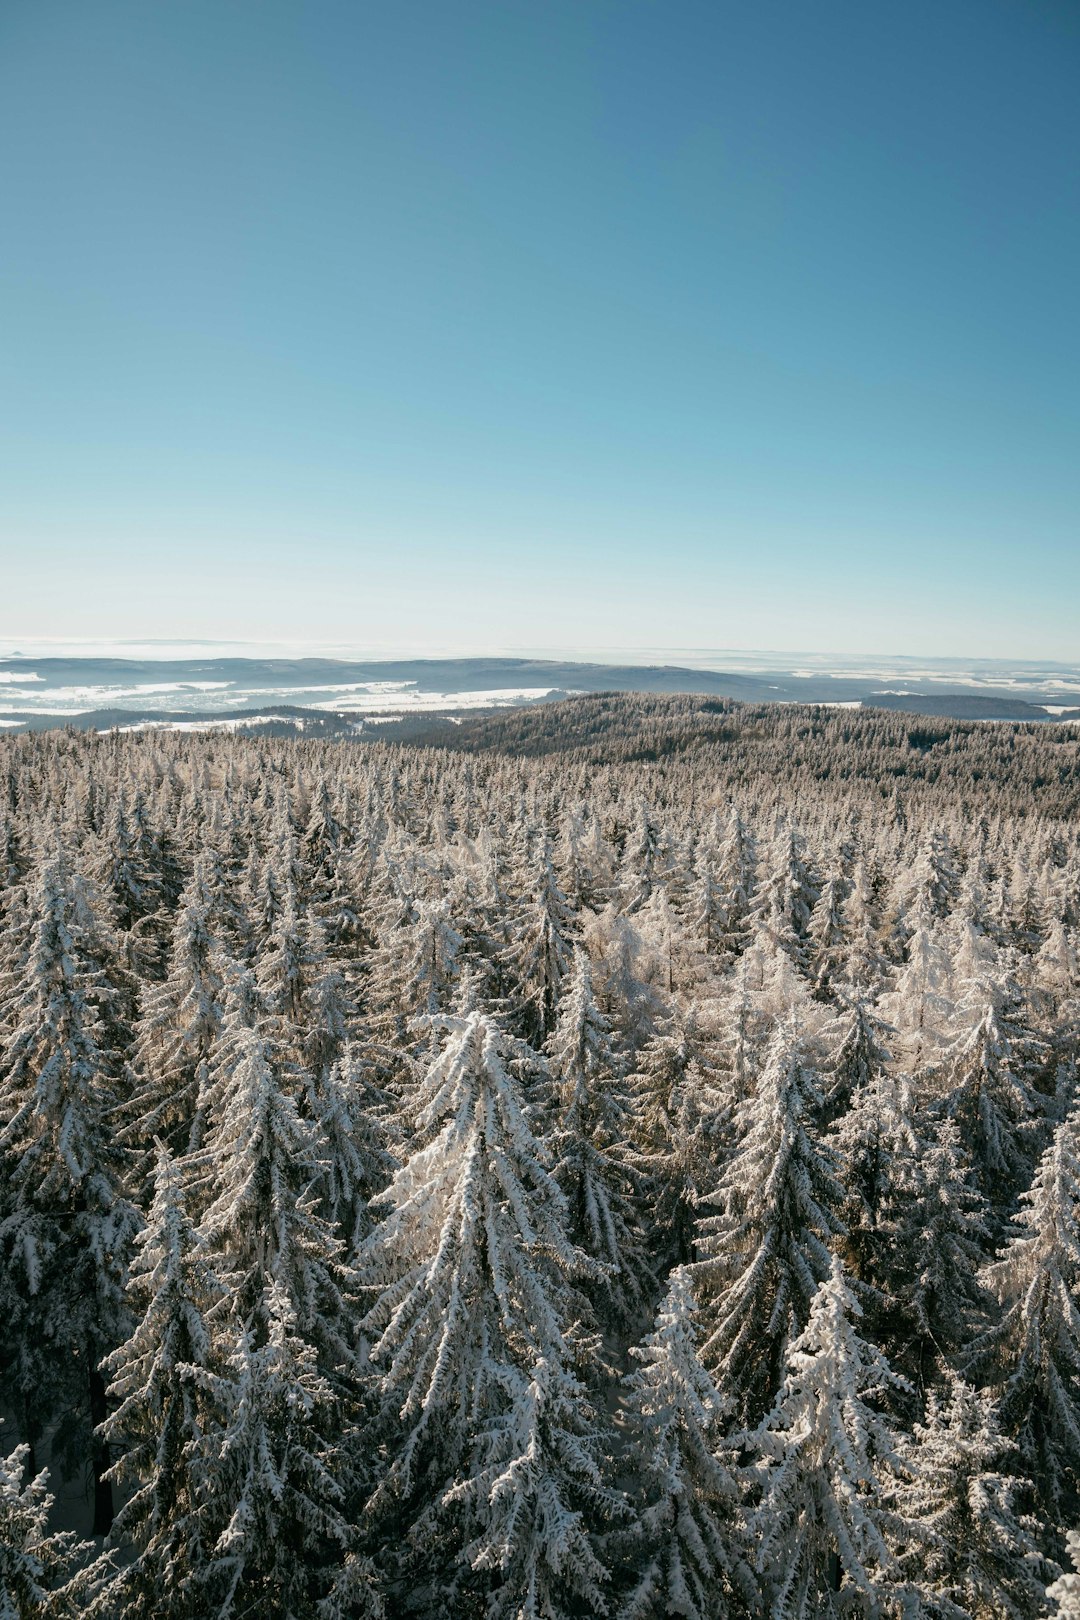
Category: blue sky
<point>578,325</point>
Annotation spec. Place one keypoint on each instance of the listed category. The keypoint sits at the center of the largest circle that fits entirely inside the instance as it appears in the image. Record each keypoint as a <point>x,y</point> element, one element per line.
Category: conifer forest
<point>616,1159</point>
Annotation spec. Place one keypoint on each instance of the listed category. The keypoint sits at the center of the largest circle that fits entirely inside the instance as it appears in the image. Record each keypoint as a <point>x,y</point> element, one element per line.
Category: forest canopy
<point>621,1158</point>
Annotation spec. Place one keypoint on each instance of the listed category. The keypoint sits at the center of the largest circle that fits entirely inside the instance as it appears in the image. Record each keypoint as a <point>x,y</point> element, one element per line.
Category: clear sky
<point>573,323</point>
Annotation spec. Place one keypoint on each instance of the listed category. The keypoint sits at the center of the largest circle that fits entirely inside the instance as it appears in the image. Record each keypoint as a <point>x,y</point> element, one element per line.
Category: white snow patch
<point>404,698</point>
<point>233,723</point>
<point>103,697</point>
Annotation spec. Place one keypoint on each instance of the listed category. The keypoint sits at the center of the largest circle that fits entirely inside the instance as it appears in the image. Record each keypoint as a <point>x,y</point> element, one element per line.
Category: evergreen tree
<point>286,967</point>
<point>826,937</point>
<point>737,878</point>
<point>786,898</point>
<point>179,1026</point>
<point>679,1112</point>
<point>350,1142</point>
<point>920,1007</point>
<point>539,956</point>
<point>126,867</point>
<point>978,1555</point>
<point>991,1094</point>
<point>269,1485</point>
<point>44,1575</point>
<point>256,1175</point>
<point>1065,1592</point>
<point>876,1144</point>
<point>859,1056</point>
<point>686,1545</point>
<point>764,1253</point>
<point>864,961</point>
<point>593,1164</point>
<point>1035,1348</point>
<point>471,1270</point>
<point>537,1486</point>
<point>65,1227</point>
<point>159,1413</point>
<point>939,1239</point>
<point>828,1532</point>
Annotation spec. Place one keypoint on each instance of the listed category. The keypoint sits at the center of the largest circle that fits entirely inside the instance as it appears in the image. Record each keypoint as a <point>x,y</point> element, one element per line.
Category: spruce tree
<point>268,1478</point>
<point>176,1034</point>
<point>538,959</point>
<point>828,1532</point>
<point>159,1412</point>
<point>256,1176</point>
<point>537,1487</point>
<point>593,1162</point>
<point>765,1252</point>
<point>472,1272</point>
<point>991,1092</point>
<point>44,1574</point>
<point>686,1548</point>
<point>66,1227</point>
<point>1034,1350</point>
<point>978,1554</point>
<point>939,1237</point>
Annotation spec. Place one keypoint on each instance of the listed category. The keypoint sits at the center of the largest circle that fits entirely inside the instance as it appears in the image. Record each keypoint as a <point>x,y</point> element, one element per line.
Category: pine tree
<point>44,1575</point>
<point>537,1486</point>
<point>65,1227</point>
<point>1036,1345</point>
<point>764,1254</point>
<point>1065,1592</point>
<point>471,1269</point>
<point>827,1532</point>
<point>268,1480</point>
<point>978,1552</point>
<point>180,1024</point>
<point>159,1414</point>
<point>685,1546</point>
<point>593,1163</point>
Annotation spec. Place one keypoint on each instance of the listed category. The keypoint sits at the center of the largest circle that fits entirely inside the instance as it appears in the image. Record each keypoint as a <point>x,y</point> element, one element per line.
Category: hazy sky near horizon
<point>581,323</point>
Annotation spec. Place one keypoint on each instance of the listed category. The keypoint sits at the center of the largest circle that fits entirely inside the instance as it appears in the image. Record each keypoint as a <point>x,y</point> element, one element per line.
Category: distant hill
<point>337,697</point>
